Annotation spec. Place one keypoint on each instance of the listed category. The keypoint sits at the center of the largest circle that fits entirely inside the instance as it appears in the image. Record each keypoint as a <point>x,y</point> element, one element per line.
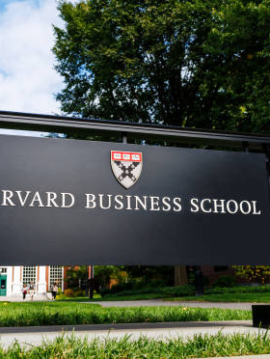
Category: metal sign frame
<point>129,130</point>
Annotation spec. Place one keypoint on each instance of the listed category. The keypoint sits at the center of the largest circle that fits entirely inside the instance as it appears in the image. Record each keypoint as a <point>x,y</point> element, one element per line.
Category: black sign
<point>67,202</point>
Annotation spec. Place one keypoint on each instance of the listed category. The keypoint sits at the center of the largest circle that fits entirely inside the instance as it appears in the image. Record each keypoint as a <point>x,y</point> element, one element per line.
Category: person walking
<point>31,291</point>
<point>54,291</point>
<point>24,291</point>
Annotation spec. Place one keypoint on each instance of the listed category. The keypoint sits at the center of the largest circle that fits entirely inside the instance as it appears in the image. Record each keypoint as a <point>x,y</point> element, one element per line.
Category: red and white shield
<point>126,166</point>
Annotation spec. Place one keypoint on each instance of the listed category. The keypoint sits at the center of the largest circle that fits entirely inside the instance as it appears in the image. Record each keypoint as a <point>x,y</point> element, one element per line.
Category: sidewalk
<point>162,303</point>
<point>144,303</point>
<point>44,297</point>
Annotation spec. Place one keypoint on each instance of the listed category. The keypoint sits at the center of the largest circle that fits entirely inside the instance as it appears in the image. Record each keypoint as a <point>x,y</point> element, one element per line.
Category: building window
<point>3,270</point>
<point>57,276</point>
<point>29,274</point>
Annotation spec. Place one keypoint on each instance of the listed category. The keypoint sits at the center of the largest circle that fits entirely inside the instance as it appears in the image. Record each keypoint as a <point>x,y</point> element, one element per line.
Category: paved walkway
<point>159,331</point>
<point>147,303</point>
<point>160,302</point>
<point>18,298</point>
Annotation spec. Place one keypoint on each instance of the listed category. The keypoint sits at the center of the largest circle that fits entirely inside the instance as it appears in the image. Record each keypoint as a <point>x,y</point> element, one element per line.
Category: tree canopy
<point>189,63</point>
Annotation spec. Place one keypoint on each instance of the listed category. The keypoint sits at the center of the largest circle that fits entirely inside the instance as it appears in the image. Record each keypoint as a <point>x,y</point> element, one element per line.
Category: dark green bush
<point>116,288</point>
<point>137,286</point>
<point>238,289</point>
<point>181,291</point>
<point>225,281</point>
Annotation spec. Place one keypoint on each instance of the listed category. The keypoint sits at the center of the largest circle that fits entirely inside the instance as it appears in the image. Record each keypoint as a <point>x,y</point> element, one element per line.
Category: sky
<point>28,80</point>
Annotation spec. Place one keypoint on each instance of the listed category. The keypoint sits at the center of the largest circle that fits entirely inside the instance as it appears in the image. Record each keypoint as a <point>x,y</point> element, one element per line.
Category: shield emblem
<point>127,167</point>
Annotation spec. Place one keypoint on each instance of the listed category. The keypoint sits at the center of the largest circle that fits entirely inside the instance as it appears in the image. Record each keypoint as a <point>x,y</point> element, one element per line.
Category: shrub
<point>259,274</point>
<point>242,289</point>
<point>181,291</point>
<point>225,281</point>
<point>79,293</point>
<point>117,288</point>
<point>137,287</point>
<point>76,275</point>
<point>69,293</point>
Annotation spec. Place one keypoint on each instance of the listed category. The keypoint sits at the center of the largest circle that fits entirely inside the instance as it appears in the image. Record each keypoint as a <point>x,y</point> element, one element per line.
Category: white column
<point>17,283</point>
<point>9,280</point>
<point>41,285</point>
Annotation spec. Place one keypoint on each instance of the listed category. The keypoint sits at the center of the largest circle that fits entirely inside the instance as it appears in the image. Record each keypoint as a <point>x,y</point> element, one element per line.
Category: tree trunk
<point>180,275</point>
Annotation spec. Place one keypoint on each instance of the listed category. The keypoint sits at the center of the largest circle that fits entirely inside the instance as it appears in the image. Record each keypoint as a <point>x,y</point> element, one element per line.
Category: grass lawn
<point>255,294</point>
<point>256,297</point>
<point>200,346</point>
<point>227,297</point>
<point>61,313</point>
<point>111,298</point>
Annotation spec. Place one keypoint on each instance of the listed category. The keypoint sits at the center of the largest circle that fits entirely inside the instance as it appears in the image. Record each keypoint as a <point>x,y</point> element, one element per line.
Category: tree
<point>104,275</point>
<point>240,39</point>
<point>145,274</point>
<point>75,275</point>
<point>191,63</point>
<point>186,63</point>
<point>180,275</point>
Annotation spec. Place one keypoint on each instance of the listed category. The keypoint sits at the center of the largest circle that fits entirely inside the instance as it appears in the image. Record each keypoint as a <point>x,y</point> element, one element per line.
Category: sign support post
<point>198,280</point>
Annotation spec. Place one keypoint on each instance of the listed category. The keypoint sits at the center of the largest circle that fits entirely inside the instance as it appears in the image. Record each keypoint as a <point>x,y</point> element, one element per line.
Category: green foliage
<point>64,313</point>
<point>255,294</point>
<point>75,274</point>
<point>150,275</point>
<point>70,293</point>
<point>240,37</point>
<point>104,275</point>
<point>78,275</point>
<point>239,289</point>
<point>225,281</point>
<point>252,294</point>
<point>199,346</point>
<point>187,292</point>
<point>153,287</point>
<point>131,277</point>
<point>259,274</point>
<point>249,297</point>
<point>186,63</point>
<point>132,285</point>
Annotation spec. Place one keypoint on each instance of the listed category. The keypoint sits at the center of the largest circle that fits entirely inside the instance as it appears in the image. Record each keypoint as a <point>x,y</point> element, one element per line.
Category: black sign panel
<point>67,202</point>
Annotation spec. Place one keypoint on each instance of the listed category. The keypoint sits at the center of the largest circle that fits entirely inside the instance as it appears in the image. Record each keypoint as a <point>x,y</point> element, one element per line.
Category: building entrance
<point>3,285</point>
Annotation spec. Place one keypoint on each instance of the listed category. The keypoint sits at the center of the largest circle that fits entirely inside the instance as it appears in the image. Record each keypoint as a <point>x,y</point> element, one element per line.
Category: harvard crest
<point>127,167</point>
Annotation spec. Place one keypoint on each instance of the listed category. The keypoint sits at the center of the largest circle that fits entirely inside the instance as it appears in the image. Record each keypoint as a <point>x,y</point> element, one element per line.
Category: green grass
<point>227,297</point>
<point>200,346</point>
<point>256,297</point>
<point>112,298</point>
<point>64,313</point>
<point>63,298</point>
<point>255,294</point>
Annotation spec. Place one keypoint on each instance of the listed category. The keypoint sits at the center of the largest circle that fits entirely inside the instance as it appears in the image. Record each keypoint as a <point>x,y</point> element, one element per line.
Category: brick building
<point>12,279</point>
